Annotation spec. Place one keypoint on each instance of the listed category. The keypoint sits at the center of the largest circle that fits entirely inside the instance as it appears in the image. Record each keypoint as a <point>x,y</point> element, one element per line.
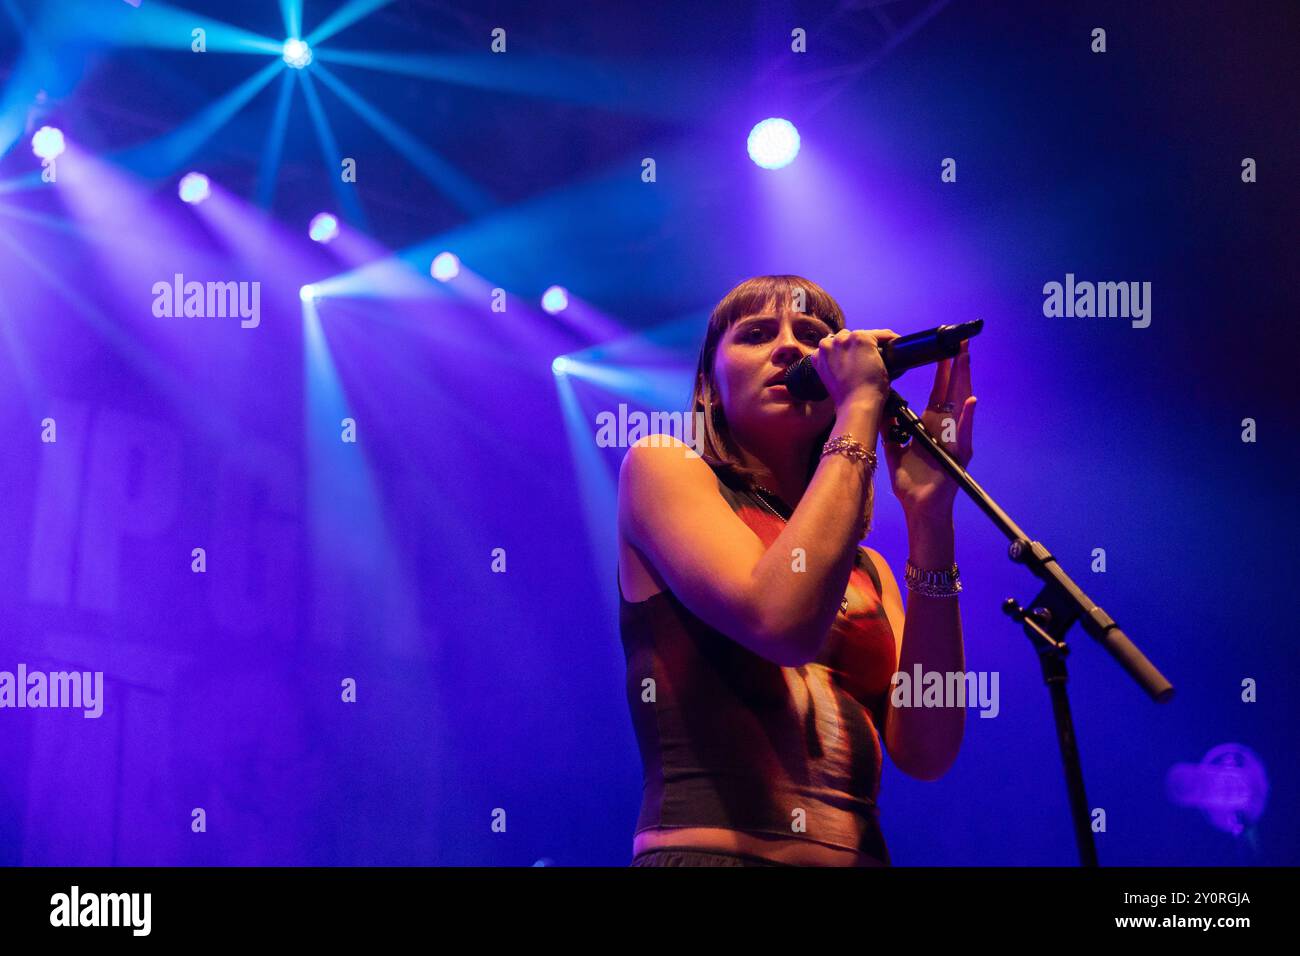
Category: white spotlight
<point>194,188</point>
<point>445,266</point>
<point>323,228</point>
<point>47,142</point>
<point>296,53</point>
<point>555,299</point>
<point>307,293</point>
<point>773,143</point>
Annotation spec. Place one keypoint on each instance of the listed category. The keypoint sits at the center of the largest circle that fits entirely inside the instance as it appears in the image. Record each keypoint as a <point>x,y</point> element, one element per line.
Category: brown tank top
<point>730,739</point>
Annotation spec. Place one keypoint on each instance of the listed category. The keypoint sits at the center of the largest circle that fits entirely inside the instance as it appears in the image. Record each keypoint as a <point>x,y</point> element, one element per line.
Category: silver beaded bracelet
<point>945,582</point>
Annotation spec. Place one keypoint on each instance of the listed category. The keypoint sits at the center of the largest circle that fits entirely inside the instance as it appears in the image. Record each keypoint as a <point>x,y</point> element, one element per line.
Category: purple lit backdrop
<point>373,561</point>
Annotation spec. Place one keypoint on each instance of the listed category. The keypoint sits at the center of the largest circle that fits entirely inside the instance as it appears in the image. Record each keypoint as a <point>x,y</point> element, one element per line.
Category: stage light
<point>560,365</point>
<point>194,188</point>
<point>296,53</point>
<point>555,299</point>
<point>307,293</point>
<point>773,143</point>
<point>47,142</point>
<point>323,228</point>
<point>445,267</point>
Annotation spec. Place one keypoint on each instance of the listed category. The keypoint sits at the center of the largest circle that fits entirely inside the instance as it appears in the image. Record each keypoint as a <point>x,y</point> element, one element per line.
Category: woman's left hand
<point>923,488</point>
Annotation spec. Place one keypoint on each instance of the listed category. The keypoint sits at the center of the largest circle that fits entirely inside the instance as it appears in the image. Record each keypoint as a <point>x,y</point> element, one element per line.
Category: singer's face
<point>758,349</point>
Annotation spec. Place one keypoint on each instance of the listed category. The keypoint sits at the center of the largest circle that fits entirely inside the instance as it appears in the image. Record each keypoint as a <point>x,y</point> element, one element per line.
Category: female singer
<point>760,637</point>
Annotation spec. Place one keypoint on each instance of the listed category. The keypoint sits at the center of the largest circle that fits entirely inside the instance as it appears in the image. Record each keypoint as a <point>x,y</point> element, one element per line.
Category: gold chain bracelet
<point>850,448</point>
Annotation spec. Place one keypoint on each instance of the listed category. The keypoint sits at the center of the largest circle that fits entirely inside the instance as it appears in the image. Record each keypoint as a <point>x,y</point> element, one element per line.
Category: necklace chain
<point>844,604</point>
<point>764,502</point>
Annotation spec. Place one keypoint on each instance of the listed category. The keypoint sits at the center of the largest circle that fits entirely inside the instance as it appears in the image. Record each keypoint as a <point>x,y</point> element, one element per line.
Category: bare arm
<point>670,510</point>
<point>924,742</point>
<point>827,526</point>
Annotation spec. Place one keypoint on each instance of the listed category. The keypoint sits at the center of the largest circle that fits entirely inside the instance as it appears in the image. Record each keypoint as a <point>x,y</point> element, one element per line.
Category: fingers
<point>880,335</point>
<point>846,334</point>
<point>939,391</point>
<point>966,432</point>
<point>959,377</point>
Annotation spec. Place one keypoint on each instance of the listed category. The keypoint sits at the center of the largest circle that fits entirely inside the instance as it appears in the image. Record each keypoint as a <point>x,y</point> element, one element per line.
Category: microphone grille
<point>803,382</point>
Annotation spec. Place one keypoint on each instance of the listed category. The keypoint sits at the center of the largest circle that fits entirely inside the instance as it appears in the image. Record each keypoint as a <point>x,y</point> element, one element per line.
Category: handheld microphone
<point>900,354</point>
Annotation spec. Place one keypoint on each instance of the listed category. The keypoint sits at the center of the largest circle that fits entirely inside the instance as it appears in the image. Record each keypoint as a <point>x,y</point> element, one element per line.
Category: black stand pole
<point>1053,611</point>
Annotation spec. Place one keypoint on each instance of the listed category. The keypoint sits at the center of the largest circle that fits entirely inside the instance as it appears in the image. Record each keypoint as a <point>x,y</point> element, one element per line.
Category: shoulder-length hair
<point>752,297</point>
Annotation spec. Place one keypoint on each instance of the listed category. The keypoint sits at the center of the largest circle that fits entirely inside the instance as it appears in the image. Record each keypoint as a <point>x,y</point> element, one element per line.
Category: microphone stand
<point>1051,613</point>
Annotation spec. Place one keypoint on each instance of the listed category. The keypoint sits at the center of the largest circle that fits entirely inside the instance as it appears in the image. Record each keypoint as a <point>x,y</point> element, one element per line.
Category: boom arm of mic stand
<point>1062,601</point>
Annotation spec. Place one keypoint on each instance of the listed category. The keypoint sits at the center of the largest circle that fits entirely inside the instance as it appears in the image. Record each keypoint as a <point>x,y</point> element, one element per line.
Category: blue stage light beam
<point>161,156</point>
<point>675,342</point>
<point>647,88</point>
<point>342,18</point>
<point>652,367</point>
<point>586,320</point>
<point>663,388</point>
<point>34,392</point>
<point>350,536</point>
<point>35,71</point>
<point>291,10</point>
<point>654,389</point>
<point>385,278</point>
<point>117,337</point>
<point>467,194</point>
<point>595,214</point>
<point>30,180</point>
<point>41,219</point>
<point>269,171</point>
<point>598,483</point>
<point>343,192</point>
<point>170,385</point>
<point>159,25</point>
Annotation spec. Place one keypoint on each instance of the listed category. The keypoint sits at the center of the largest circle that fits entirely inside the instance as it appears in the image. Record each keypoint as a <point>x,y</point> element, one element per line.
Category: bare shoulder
<point>658,459</point>
<point>660,442</point>
<point>657,472</point>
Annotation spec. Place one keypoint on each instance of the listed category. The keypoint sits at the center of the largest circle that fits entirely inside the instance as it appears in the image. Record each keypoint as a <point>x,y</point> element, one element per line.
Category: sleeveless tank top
<point>730,739</point>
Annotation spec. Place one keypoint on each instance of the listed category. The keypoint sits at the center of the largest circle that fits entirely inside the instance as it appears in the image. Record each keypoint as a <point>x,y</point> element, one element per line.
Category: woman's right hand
<point>851,367</point>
